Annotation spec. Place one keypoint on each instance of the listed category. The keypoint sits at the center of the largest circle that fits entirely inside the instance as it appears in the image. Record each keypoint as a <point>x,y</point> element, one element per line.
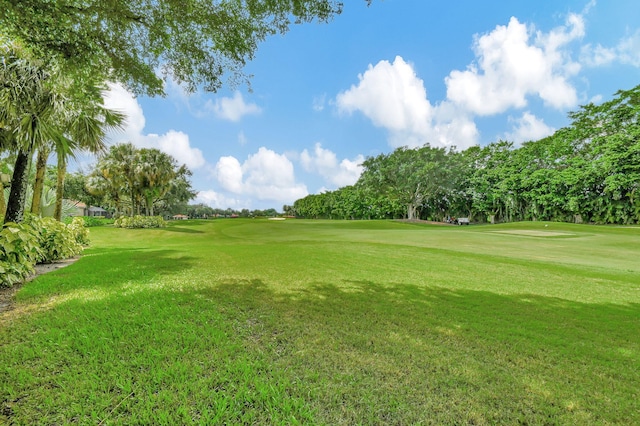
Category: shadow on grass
<point>182,229</point>
<point>109,270</point>
<point>354,352</point>
<point>406,354</point>
<point>188,223</point>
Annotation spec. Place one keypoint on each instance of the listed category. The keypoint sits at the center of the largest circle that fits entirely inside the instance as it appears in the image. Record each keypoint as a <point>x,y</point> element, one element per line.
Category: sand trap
<point>276,218</point>
<point>533,233</point>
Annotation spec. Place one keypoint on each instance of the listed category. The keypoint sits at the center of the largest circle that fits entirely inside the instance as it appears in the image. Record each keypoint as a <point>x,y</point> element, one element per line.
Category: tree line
<point>588,171</point>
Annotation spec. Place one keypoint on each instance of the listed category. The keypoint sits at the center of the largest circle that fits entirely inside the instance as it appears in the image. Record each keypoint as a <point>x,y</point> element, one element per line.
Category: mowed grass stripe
<point>320,322</point>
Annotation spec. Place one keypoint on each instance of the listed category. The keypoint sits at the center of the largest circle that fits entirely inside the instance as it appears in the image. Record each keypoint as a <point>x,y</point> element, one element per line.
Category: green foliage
<point>20,249</point>
<point>140,222</point>
<point>37,240</point>
<point>589,171</point>
<point>57,240</point>
<point>131,180</point>
<point>79,229</point>
<point>90,221</point>
<point>41,108</point>
<point>198,44</point>
<point>75,188</point>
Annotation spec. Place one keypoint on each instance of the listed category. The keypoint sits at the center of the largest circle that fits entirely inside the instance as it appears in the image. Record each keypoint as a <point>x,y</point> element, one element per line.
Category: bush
<point>89,221</point>
<point>140,222</point>
<point>57,240</point>
<point>37,240</point>
<point>78,229</point>
<point>20,250</point>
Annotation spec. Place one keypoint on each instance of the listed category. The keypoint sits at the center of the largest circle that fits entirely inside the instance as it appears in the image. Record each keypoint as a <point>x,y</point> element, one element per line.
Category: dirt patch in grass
<point>426,222</point>
<point>533,233</point>
<point>7,294</point>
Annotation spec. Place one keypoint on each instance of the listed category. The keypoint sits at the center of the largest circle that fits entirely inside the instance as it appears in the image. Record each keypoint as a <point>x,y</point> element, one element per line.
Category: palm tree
<point>155,172</point>
<point>114,177</point>
<point>43,111</point>
<point>86,121</point>
<point>38,187</point>
<point>27,104</point>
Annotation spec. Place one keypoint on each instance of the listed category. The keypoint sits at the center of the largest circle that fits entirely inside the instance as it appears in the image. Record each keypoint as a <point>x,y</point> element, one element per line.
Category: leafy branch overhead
<point>198,43</point>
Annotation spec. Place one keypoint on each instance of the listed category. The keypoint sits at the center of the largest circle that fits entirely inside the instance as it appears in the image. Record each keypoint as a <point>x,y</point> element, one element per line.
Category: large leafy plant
<point>37,240</point>
<point>20,249</point>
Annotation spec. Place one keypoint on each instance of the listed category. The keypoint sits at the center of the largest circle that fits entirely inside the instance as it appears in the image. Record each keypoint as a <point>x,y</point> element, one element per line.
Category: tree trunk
<point>18,194</point>
<point>149,206</point>
<point>3,202</point>
<point>62,171</point>
<point>38,187</point>
<point>411,211</point>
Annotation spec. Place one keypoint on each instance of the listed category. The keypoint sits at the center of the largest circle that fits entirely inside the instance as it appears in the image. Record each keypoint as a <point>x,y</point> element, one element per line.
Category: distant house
<point>180,217</point>
<point>97,212</point>
<point>81,209</point>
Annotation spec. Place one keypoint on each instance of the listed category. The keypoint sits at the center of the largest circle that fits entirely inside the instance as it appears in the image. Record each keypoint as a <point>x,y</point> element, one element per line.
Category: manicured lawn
<point>322,322</point>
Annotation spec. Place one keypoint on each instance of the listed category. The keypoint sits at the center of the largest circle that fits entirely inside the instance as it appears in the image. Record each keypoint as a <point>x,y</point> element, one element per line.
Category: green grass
<point>328,322</point>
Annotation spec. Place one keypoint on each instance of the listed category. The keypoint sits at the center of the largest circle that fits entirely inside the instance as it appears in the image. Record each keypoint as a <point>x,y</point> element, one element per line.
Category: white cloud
<point>393,97</point>
<point>597,56</point>
<point>174,143</point>
<point>178,146</point>
<point>514,62</point>
<point>220,201</point>
<point>596,99</point>
<point>528,128</point>
<point>229,174</point>
<point>119,99</point>
<point>627,52</point>
<point>265,175</point>
<point>242,139</point>
<point>319,102</point>
<point>232,109</point>
<point>325,163</point>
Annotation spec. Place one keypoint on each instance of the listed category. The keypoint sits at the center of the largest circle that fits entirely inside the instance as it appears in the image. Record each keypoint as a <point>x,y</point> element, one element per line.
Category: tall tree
<point>154,173</point>
<point>38,187</point>
<point>27,105</point>
<point>180,192</point>
<point>410,176</point>
<point>114,178</point>
<point>42,110</point>
<point>139,178</point>
<point>86,121</point>
<point>196,42</point>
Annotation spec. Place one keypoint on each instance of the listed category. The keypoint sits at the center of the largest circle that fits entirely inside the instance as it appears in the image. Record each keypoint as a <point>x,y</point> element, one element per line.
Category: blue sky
<point>401,72</point>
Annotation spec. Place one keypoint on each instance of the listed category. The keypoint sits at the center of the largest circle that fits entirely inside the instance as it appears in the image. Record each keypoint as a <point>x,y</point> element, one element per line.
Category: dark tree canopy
<point>195,42</point>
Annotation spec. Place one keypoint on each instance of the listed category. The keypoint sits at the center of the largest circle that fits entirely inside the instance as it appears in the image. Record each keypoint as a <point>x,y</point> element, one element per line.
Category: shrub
<point>140,222</point>
<point>37,240</point>
<point>57,240</point>
<point>19,251</point>
<point>89,221</point>
<point>79,230</point>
